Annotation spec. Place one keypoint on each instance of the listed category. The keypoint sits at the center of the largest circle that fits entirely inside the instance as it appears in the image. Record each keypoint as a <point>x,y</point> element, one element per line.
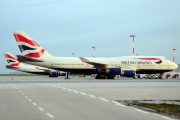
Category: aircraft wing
<point>96,65</point>
<point>25,59</point>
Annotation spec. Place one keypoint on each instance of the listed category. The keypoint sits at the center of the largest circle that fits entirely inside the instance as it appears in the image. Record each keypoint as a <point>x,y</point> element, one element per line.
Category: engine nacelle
<point>54,73</point>
<point>113,71</point>
<point>128,73</point>
<point>62,74</point>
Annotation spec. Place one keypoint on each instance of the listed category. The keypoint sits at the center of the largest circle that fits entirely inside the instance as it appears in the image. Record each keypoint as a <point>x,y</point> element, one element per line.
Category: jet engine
<point>62,74</point>
<point>128,73</point>
<point>113,71</point>
<point>54,74</point>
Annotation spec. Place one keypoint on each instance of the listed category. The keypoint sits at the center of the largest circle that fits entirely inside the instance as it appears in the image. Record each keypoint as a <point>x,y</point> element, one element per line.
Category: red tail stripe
<point>18,59</point>
<point>15,64</point>
<point>35,55</point>
<point>20,38</point>
<point>150,58</point>
<point>9,56</point>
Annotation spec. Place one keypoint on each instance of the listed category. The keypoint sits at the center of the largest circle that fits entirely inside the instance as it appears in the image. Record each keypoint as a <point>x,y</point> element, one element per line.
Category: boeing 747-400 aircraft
<point>14,64</point>
<point>128,66</point>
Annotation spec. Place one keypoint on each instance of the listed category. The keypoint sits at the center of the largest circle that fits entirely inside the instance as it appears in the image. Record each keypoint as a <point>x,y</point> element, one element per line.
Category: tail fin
<point>12,61</point>
<point>28,46</point>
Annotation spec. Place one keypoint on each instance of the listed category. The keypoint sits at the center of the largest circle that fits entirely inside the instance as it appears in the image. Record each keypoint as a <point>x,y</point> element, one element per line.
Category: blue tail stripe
<point>24,48</point>
<point>10,61</point>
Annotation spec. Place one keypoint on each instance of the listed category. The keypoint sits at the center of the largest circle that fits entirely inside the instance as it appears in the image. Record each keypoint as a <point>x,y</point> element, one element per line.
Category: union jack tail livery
<point>28,46</point>
<point>12,61</point>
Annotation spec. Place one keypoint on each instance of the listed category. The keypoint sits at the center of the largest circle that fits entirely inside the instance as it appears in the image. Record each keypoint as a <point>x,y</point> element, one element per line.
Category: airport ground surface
<point>43,98</point>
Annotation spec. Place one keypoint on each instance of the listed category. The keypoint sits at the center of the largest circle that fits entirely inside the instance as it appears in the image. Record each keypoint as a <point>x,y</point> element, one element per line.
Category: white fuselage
<point>75,65</point>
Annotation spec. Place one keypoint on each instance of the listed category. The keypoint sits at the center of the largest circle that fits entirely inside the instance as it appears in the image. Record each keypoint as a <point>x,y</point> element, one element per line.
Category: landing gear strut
<point>67,75</point>
<point>103,76</point>
<point>100,76</point>
<point>110,76</point>
<point>161,75</point>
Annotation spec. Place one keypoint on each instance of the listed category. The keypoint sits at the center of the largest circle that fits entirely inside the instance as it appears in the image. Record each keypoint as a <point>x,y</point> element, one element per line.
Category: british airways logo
<point>145,61</point>
<point>136,62</point>
<point>159,62</point>
<point>29,48</point>
<point>12,60</point>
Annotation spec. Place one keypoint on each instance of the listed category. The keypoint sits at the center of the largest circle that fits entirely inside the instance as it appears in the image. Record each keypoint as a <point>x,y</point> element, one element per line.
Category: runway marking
<point>102,98</point>
<point>158,115</point>
<point>114,102</point>
<point>49,115</point>
<point>34,103</point>
<point>167,118</point>
<point>41,108</point>
<point>83,93</point>
<point>75,91</point>
<point>69,89</point>
<point>64,88</point>
<point>119,104</point>
<point>59,87</point>
<point>105,100</point>
<point>14,86</point>
<point>92,96</point>
<point>54,86</point>
<point>140,110</point>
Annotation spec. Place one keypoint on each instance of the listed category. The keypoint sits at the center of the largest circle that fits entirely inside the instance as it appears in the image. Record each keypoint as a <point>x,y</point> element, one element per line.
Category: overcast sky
<point>66,26</point>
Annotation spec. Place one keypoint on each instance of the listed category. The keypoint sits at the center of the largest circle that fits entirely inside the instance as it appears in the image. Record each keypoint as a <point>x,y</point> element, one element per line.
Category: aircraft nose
<point>176,66</point>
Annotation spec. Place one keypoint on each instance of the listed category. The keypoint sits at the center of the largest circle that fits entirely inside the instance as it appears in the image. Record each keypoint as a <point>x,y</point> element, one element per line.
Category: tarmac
<point>44,98</point>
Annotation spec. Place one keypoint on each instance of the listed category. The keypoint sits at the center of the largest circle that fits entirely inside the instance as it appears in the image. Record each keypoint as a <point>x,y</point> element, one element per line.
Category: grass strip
<point>170,109</point>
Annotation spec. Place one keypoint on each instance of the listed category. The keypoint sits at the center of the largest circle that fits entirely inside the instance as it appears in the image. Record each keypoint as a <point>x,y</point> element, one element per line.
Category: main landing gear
<point>67,75</point>
<point>161,75</point>
<point>103,76</point>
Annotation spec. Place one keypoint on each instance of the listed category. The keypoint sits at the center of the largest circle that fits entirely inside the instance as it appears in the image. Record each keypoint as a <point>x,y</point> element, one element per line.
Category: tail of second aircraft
<point>28,46</point>
<point>12,61</point>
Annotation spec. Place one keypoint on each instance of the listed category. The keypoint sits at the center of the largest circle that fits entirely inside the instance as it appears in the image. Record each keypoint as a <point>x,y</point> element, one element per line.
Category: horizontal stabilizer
<point>26,59</point>
<point>9,66</point>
